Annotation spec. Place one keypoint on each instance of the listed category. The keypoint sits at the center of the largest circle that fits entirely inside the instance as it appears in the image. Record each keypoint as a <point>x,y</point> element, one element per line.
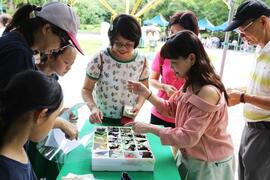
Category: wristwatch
<point>242,98</point>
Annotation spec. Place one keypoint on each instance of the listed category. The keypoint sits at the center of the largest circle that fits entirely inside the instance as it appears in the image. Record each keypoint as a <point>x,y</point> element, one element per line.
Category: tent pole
<point>226,40</point>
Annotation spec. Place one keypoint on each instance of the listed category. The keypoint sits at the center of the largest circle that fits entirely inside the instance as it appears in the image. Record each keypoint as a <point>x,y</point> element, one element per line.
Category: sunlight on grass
<point>91,47</point>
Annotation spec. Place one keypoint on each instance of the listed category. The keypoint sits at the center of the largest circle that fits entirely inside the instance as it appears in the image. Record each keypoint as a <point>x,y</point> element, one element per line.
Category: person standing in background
<point>161,68</point>
<point>4,21</point>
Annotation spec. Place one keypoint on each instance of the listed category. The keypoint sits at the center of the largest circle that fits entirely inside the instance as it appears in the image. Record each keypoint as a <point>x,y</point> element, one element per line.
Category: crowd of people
<point>190,111</point>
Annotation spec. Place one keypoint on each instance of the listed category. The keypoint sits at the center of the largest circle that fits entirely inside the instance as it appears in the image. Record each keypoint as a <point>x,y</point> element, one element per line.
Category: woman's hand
<point>138,88</point>
<point>169,89</point>
<point>96,116</point>
<point>139,127</point>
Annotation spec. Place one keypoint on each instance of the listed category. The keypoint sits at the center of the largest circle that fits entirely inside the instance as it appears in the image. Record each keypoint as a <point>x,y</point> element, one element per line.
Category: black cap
<point>248,10</point>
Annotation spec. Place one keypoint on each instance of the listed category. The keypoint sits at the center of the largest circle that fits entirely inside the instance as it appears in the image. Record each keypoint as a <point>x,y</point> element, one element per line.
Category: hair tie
<point>36,8</point>
<point>33,12</point>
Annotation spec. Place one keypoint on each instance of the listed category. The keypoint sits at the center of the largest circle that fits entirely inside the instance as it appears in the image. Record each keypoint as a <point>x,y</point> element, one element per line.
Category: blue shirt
<point>15,56</point>
<point>14,170</point>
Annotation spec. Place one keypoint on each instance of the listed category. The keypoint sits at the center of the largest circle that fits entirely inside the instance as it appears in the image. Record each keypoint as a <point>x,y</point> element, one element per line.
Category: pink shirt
<point>200,127</point>
<point>167,77</point>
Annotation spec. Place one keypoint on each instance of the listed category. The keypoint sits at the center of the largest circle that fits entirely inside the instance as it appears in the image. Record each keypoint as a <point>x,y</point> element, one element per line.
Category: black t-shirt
<point>15,56</point>
<point>14,170</point>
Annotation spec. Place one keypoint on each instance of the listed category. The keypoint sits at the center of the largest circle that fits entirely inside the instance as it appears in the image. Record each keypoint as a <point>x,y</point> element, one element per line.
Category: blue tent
<point>157,20</point>
<point>221,27</point>
<point>205,24</point>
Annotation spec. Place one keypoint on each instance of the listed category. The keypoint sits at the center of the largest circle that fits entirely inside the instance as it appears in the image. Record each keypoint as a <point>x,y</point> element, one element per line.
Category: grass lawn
<point>91,47</point>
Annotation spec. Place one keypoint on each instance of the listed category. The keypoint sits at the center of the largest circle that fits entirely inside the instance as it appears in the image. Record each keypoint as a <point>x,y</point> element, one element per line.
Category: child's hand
<point>63,111</point>
<point>70,130</point>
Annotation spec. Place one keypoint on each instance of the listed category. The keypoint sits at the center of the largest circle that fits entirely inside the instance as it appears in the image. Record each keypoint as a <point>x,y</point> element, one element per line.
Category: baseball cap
<point>64,17</point>
<point>248,10</point>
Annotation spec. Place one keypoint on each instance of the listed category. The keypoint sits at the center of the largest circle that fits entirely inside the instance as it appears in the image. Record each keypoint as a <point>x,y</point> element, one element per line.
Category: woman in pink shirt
<point>161,67</point>
<point>200,110</point>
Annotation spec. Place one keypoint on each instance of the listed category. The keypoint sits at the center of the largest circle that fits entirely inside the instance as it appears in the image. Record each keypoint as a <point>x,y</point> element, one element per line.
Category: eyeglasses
<point>119,45</point>
<point>59,49</point>
<point>242,30</point>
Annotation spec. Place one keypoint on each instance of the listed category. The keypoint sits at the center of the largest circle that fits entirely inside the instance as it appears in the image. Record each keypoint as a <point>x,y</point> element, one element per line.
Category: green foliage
<point>91,12</point>
<point>90,27</point>
<point>215,10</point>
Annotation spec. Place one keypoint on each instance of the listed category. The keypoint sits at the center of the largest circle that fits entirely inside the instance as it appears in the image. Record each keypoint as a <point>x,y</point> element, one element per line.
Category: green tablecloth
<point>79,162</point>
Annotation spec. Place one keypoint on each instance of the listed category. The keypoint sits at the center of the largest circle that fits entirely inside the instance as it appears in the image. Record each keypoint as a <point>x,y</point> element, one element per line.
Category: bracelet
<point>242,98</point>
<point>149,95</point>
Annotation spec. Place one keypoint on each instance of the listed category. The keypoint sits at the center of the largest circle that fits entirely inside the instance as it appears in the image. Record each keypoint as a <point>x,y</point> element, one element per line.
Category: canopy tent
<point>151,28</point>
<point>221,27</point>
<point>205,24</point>
<point>157,20</point>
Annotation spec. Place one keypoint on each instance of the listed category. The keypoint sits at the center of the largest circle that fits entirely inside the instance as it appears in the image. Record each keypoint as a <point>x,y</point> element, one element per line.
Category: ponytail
<point>21,17</point>
<point>25,21</point>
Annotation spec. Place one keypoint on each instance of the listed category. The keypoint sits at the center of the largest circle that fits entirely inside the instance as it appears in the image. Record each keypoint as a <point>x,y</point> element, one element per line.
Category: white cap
<point>64,17</point>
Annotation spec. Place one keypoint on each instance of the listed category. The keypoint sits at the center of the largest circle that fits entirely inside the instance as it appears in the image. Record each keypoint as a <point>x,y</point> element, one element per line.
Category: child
<point>59,62</point>
<point>108,72</point>
<point>200,110</point>
<point>29,106</point>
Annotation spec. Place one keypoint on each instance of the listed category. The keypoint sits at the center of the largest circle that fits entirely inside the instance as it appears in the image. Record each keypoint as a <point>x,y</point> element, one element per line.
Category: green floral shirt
<point>110,92</point>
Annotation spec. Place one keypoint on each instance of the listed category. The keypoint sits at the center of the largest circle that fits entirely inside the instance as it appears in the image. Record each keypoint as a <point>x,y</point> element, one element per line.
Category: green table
<point>79,162</point>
